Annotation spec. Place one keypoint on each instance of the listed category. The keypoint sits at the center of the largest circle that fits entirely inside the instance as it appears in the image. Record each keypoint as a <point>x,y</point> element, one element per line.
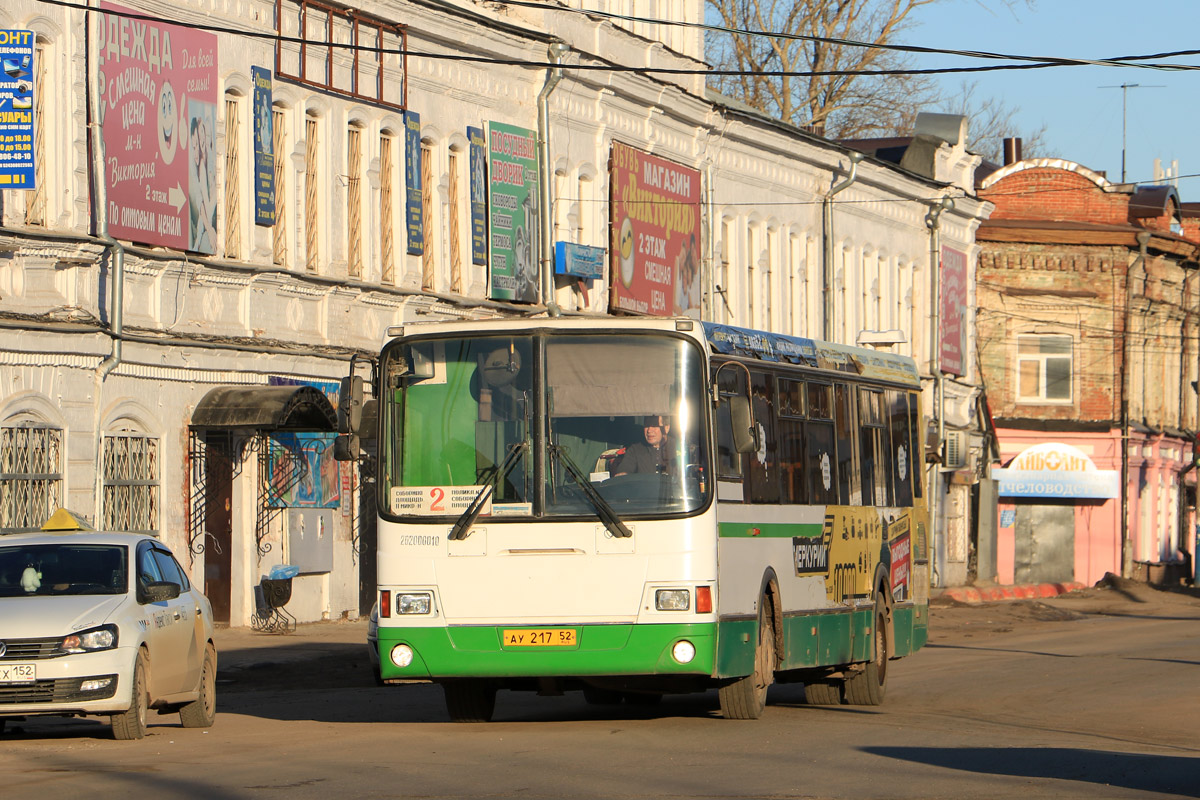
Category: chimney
<point>1012,151</point>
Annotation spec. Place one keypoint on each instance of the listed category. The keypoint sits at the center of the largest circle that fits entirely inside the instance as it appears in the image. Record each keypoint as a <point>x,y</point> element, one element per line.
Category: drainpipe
<point>933,222</point>
<point>708,310</point>
<point>558,51</point>
<point>1143,240</point>
<point>827,218</point>
<point>115,250</point>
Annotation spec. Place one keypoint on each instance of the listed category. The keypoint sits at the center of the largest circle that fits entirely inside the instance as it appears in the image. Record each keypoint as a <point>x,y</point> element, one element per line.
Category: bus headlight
<point>684,651</point>
<point>402,655</point>
<point>414,603</point>
<point>672,599</point>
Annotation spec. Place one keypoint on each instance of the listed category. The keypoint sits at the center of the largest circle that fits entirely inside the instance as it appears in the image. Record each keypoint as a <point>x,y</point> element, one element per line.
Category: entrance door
<point>1045,544</point>
<point>218,524</point>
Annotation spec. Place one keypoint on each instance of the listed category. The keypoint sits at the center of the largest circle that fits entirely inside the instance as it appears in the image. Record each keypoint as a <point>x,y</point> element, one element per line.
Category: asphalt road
<point>1088,696</point>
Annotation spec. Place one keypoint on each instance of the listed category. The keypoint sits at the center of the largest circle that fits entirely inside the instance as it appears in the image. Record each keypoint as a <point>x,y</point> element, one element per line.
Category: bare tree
<point>843,106</point>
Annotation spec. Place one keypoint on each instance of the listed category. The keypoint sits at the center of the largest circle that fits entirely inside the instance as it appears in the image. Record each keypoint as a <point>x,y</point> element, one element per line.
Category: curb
<point>991,594</point>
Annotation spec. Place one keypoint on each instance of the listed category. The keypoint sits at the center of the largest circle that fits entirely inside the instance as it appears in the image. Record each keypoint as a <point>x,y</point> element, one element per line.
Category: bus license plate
<point>539,637</point>
<point>18,673</point>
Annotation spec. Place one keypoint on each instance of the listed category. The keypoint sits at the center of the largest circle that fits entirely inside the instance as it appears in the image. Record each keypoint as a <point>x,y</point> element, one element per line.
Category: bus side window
<point>819,444</point>
<point>762,479</point>
<point>914,432</point>
<point>902,460</point>
<point>792,464</point>
<point>870,419</point>
<point>730,382</point>
<point>846,423</point>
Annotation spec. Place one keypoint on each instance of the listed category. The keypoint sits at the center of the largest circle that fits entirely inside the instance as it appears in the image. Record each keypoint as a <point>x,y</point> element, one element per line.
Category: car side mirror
<point>159,591</point>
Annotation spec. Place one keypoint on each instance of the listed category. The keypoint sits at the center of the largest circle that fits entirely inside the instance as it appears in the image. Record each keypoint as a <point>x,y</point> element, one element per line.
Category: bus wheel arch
<point>746,697</point>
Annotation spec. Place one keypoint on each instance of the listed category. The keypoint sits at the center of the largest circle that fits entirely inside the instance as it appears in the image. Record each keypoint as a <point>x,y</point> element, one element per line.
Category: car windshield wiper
<point>603,510</point>
<point>495,474</point>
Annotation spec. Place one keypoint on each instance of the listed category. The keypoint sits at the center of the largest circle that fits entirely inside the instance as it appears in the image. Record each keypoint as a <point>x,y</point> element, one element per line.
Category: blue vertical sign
<point>264,148</point>
<point>16,110</point>
<point>478,145</point>
<point>412,174</point>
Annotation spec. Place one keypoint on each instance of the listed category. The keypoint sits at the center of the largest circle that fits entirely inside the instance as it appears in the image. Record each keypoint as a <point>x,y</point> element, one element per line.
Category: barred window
<point>312,220</point>
<point>387,228</point>
<point>428,264</point>
<point>279,235</point>
<point>456,259</point>
<point>354,244</point>
<point>31,484</point>
<point>233,169</point>
<point>131,483</point>
<point>35,201</point>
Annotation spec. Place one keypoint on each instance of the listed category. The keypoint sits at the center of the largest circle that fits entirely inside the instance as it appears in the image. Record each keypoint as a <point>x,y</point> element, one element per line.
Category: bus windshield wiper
<point>603,510</point>
<point>495,474</point>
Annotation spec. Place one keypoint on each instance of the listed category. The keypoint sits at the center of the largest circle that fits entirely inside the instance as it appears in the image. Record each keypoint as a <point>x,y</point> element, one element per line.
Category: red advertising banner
<point>655,231</point>
<point>954,304</point>
<point>158,87</point>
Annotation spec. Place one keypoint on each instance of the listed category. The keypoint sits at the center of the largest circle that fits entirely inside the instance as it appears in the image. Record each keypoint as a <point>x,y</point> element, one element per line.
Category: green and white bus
<point>532,537</point>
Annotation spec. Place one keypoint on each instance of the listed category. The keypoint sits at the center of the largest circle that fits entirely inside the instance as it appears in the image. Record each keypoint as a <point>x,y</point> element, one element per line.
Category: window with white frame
<point>1044,369</point>
<point>354,243</point>
<point>131,489</point>
<point>279,232</point>
<point>35,200</point>
<point>31,482</point>
<point>312,193</point>
<point>233,184</point>
<point>387,209</point>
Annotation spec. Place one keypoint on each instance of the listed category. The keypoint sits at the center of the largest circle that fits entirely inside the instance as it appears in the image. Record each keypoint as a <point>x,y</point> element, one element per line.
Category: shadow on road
<point>1134,771</point>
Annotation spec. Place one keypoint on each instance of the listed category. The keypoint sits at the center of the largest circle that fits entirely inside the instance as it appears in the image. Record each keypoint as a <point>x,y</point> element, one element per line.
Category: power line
<point>1120,61</point>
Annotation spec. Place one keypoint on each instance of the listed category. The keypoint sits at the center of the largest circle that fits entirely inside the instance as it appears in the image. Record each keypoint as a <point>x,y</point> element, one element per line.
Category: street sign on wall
<point>655,234</point>
<point>16,110</point>
<point>158,88</point>
<point>513,203</point>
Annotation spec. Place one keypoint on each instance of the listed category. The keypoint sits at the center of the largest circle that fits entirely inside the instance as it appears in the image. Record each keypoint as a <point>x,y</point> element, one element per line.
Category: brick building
<point>1089,298</point>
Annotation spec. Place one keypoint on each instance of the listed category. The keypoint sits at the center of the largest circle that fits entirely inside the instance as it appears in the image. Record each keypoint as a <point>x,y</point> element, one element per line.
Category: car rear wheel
<point>202,712</point>
<point>131,724</point>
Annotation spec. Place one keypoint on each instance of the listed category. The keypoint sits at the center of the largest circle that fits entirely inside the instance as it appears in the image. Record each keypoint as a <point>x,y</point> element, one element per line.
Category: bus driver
<point>654,455</point>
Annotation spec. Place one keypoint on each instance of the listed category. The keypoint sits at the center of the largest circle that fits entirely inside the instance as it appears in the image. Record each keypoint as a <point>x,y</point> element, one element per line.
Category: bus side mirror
<point>350,403</point>
<point>745,432</point>
<point>346,447</point>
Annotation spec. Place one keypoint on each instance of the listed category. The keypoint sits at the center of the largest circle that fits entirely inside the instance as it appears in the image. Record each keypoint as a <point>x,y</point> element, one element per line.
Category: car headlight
<point>414,603</point>
<point>672,599</point>
<point>102,638</point>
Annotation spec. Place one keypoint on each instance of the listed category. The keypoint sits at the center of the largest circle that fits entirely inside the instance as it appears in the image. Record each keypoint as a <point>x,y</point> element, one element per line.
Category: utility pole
<point>1125,87</point>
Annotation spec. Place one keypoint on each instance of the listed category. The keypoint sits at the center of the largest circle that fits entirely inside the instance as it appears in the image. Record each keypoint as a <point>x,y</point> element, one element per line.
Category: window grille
<point>368,61</point>
<point>30,476</point>
<point>279,233</point>
<point>131,490</point>
<point>311,192</point>
<point>233,211</point>
<point>354,201</point>
<point>387,232</point>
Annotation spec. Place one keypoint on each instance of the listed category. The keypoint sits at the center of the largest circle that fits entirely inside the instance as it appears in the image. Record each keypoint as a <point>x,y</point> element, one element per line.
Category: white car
<point>102,624</point>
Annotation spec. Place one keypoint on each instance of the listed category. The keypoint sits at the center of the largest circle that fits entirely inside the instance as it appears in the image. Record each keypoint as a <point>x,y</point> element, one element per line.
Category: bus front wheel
<point>470,700</point>
<point>746,698</point>
<point>868,687</point>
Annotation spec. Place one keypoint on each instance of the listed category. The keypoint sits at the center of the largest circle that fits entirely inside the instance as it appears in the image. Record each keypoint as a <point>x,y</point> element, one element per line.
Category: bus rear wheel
<point>823,694</point>
<point>470,700</point>
<point>746,698</point>
<point>868,687</point>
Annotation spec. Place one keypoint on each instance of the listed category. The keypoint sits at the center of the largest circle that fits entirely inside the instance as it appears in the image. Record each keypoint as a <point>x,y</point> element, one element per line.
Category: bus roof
<point>782,349</point>
<point>724,339</point>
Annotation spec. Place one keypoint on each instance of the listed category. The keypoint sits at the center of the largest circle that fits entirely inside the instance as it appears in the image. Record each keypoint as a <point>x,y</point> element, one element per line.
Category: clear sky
<point>1082,120</point>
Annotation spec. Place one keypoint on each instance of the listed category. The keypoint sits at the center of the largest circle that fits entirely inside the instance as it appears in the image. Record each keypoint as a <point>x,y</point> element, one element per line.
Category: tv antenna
<point>1125,87</point>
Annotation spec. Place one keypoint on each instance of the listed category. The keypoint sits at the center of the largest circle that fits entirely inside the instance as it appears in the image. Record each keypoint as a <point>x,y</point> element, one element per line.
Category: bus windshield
<point>566,425</point>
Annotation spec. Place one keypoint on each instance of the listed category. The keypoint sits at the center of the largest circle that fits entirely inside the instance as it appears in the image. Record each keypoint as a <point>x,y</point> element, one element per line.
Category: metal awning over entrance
<point>265,408</point>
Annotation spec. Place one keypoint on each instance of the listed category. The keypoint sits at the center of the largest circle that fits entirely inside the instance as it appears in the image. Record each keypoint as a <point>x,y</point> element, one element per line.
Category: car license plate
<point>540,637</point>
<point>18,673</point>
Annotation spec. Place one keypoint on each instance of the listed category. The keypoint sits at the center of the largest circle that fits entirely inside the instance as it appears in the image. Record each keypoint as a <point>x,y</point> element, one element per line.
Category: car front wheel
<point>131,724</point>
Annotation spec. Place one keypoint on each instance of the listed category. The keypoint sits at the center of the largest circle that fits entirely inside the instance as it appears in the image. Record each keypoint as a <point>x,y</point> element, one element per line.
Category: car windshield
<point>557,424</point>
<point>62,569</point>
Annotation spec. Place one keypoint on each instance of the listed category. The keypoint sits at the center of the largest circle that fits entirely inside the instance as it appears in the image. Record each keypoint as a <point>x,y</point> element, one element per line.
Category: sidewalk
<point>991,594</point>
<point>245,648</point>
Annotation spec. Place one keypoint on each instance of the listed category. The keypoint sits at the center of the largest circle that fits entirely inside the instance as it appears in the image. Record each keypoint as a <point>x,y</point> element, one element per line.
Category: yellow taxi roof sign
<point>64,520</point>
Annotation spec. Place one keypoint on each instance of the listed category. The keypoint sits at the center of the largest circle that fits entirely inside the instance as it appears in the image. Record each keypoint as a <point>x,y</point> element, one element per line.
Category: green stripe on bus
<point>769,530</point>
<point>475,651</point>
